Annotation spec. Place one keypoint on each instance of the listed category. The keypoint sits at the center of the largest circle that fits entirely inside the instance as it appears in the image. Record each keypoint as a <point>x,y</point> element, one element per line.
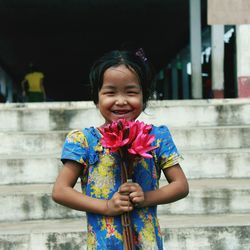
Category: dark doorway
<point>63,38</point>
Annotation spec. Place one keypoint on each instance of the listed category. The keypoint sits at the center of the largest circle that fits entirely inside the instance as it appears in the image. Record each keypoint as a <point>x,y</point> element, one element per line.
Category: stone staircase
<point>212,135</point>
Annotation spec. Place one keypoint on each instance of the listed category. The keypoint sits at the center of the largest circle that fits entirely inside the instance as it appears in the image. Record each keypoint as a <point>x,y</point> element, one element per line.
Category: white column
<point>217,40</point>
<point>243,59</point>
<point>195,47</point>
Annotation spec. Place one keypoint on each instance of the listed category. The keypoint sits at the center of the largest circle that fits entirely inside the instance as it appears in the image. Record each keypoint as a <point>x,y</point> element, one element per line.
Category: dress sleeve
<point>75,148</point>
<point>167,152</point>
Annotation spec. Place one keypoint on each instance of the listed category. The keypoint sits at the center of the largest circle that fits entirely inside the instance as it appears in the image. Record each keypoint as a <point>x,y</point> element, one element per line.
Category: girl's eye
<point>109,92</point>
<point>132,92</point>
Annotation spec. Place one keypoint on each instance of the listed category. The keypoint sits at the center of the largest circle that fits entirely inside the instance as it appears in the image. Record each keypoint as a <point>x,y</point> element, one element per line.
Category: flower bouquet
<point>131,139</point>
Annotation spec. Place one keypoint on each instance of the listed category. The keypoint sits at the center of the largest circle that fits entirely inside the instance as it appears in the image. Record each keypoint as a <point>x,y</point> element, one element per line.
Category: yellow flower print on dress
<point>144,164</point>
<point>158,142</point>
<point>91,242</point>
<point>98,147</point>
<point>108,225</point>
<point>77,136</point>
<point>103,177</point>
<point>169,161</point>
<point>146,236</point>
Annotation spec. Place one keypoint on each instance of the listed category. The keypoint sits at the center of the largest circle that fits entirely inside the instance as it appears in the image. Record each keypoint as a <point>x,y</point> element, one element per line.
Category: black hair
<point>135,61</point>
<point>32,68</point>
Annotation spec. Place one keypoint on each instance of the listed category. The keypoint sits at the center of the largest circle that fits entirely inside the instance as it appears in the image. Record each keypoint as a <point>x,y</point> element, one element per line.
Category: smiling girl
<point>120,82</point>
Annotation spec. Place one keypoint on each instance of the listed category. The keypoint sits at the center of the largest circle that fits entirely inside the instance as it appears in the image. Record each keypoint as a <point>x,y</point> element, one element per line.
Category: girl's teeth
<point>120,112</point>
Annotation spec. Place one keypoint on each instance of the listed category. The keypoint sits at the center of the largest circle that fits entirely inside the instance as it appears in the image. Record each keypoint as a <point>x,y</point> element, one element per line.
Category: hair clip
<point>141,54</point>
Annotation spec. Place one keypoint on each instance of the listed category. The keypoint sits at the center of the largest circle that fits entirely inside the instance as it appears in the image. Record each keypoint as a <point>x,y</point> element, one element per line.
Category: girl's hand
<point>136,193</point>
<point>119,203</point>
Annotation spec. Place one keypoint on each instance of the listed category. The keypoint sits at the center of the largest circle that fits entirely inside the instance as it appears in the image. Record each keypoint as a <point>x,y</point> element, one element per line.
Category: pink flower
<point>133,134</point>
<point>113,135</point>
<point>142,144</point>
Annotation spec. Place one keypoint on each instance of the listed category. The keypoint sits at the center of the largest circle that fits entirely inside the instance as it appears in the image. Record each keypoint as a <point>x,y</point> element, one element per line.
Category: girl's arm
<point>65,194</point>
<point>175,190</point>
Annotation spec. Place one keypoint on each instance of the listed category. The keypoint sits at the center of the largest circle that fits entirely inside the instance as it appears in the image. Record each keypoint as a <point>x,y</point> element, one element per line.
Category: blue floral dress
<point>101,178</point>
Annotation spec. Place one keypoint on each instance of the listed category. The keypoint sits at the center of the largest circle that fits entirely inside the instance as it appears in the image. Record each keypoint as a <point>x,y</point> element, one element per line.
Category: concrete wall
<point>228,11</point>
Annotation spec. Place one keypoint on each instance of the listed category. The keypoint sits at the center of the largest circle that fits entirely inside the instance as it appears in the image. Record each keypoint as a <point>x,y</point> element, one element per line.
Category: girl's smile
<point>120,95</point>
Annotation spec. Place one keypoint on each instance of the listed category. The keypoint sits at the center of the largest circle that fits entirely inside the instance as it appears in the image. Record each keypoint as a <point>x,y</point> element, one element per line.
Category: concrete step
<point>21,169</point>
<point>32,202</point>
<point>185,138</point>
<point>198,112</point>
<point>70,115</point>
<point>223,232</point>
<point>48,116</point>
<point>211,196</point>
<point>29,143</point>
<point>211,137</point>
<point>43,168</point>
<point>216,163</point>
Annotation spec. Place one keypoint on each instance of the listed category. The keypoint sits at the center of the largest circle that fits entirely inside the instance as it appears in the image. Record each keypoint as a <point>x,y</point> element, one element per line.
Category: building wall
<point>228,12</point>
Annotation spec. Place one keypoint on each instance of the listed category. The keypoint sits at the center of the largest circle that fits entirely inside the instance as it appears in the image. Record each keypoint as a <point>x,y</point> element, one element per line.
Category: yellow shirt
<point>34,80</point>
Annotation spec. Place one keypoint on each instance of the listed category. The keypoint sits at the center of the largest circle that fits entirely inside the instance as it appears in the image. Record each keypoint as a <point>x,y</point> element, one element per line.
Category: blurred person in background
<point>32,85</point>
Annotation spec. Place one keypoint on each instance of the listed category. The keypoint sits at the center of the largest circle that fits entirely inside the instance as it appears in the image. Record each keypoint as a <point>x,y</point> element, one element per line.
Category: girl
<point>120,81</point>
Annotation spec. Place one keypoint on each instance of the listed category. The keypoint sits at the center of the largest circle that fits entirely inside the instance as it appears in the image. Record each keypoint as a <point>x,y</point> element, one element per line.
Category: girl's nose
<point>121,102</point>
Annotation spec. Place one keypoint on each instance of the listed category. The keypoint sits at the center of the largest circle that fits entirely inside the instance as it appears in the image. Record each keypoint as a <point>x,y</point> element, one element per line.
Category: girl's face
<point>120,95</point>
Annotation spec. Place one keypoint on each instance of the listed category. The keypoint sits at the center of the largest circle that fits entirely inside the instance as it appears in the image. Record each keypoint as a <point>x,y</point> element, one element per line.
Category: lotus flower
<point>113,135</point>
<point>142,144</point>
<point>132,134</point>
